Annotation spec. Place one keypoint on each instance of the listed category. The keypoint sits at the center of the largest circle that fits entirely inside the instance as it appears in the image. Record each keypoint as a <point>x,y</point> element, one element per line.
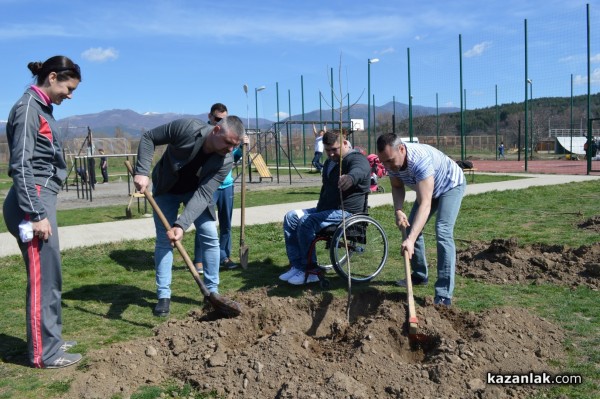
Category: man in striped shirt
<point>440,185</point>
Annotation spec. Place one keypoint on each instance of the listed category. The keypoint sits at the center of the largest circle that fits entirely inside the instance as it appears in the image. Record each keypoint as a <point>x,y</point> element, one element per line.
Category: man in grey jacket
<point>195,163</point>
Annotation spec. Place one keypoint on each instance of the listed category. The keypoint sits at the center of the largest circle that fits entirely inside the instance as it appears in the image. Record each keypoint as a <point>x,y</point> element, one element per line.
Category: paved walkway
<point>137,229</point>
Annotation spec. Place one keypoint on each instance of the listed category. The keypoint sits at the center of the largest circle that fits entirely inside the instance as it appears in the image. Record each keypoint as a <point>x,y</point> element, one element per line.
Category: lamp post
<point>410,97</point>
<point>530,116</point>
<point>571,121</point>
<point>256,90</point>
<point>369,62</point>
<point>247,108</point>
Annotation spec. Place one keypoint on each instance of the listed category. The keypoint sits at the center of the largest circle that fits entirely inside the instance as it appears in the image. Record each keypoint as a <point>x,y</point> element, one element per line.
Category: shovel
<point>128,213</point>
<point>225,306</point>
<point>243,247</point>
<point>413,322</point>
<point>416,339</point>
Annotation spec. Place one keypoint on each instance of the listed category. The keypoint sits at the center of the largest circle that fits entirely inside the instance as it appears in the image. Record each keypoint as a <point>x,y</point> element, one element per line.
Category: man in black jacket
<point>300,226</point>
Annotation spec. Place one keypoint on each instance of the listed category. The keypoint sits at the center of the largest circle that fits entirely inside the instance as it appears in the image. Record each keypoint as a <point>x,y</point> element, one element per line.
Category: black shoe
<point>416,280</point>
<point>228,264</point>
<point>440,300</point>
<point>162,307</point>
<point>67,359</point>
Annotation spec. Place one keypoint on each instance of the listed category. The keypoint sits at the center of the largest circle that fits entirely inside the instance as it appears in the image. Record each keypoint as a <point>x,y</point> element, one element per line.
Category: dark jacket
<point>356,166</point>
<point>184,139</point>
<point>36,157</point>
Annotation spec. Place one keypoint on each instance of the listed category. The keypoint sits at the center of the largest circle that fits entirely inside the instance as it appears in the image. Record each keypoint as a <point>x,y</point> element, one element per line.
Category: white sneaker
<point>298,278</point>
<point>289,274</point>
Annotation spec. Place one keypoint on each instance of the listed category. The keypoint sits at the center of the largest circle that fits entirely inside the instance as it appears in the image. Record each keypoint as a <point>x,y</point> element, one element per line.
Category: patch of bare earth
<point>504,261</point>
<point>304,348</point>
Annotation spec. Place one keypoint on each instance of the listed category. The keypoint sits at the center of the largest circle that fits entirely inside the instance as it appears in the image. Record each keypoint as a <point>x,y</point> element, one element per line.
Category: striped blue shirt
<point>423,161</point>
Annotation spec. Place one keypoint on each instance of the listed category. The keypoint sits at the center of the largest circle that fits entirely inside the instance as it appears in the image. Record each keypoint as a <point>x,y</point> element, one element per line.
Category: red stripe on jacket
<point>45,128</point>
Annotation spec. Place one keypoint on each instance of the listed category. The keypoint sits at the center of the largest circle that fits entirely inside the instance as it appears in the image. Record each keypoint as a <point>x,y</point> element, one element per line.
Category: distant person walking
<point>38,171</point>
<point>316,162</point>
<point>501,150</point>
<point>103,167</point>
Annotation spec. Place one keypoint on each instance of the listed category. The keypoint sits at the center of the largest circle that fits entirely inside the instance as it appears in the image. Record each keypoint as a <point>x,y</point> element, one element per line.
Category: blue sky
<point>182,56</point>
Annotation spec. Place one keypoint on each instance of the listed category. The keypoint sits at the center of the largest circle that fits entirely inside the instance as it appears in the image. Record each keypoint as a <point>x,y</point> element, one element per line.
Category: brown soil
<point>304,348</point>
<point>505,262</point>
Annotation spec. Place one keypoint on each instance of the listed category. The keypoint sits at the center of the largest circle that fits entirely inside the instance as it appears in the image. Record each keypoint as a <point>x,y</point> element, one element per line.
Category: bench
<point>261,166</point>
<point>470,171</point>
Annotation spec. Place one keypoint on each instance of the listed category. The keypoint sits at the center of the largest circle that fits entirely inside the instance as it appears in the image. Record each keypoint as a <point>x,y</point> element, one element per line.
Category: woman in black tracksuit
<point>38,170</point>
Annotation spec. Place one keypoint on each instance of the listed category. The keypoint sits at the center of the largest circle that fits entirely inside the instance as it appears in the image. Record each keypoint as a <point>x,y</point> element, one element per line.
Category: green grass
<point>109,292</point>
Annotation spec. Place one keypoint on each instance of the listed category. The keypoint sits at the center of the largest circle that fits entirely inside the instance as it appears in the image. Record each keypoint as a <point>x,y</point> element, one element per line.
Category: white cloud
<point>595,58</point>
<point>582,79</point>
<point>99,54</point>
<point>477,49</point>
<point>568,58</point>
<point>282,115</point>
<point>386,51</point>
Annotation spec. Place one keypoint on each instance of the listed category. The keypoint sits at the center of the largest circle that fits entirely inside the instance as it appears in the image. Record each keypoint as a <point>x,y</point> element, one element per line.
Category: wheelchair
<point>367,246</point>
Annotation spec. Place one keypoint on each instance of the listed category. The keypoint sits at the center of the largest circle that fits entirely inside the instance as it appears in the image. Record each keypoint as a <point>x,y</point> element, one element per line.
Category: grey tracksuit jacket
<point>36,156</point>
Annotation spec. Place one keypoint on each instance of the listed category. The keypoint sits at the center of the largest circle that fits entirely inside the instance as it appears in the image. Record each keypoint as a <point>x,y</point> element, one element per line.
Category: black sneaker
<point>228,264</point>
<point>162,308</point>
<point>416,280</point>
<point>440,300</point>
<point>67,359</point>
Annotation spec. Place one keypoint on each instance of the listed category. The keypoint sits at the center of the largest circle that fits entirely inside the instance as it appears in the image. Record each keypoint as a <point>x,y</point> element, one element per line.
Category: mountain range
<point>109,123</point>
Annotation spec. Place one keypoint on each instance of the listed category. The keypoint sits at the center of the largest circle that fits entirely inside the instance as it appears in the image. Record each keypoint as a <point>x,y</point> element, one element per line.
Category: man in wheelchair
<point>300,226</point>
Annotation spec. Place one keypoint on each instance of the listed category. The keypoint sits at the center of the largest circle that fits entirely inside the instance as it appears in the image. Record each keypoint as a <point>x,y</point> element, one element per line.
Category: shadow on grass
<point>13,350</point>
<point>302,193</point>
<point>133,259</point>
<point>119,298</point>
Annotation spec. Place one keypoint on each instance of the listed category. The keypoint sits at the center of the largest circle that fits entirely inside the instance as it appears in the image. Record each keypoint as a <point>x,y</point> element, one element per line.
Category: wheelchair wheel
<point>321,250</point>
<point>367,247</point>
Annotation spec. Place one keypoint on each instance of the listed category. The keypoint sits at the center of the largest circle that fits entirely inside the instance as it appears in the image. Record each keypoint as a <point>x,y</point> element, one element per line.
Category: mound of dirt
<point>304,348</point>
<point>504,261</point>
<point>592,224</point>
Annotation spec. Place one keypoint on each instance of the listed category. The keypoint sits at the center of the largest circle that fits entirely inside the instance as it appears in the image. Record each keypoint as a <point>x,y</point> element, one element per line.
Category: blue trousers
<point>223,199</point>
<point>206,233</point>
<point>300,228</point>
<point>447,207</point>
<point>316,162</point>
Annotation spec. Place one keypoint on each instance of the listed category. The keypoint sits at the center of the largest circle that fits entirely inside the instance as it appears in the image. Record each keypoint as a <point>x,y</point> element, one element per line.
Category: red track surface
<point>560,167</point>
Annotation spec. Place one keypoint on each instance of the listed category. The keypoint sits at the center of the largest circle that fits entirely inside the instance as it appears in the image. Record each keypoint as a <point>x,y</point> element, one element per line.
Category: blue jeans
<point>316,162</point>
<point>223,199</point>
<point>447,207</point>
<point>206,230</point>
<point>300,228</point>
